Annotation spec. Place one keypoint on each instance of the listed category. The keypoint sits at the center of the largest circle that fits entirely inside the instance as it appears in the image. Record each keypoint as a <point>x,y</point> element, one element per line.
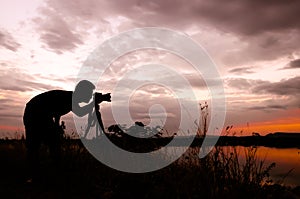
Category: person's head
<point>84,91</point>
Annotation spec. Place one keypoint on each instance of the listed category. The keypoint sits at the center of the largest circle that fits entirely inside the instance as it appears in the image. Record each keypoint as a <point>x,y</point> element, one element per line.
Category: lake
<point>287,160</point>
<point>287,169</point>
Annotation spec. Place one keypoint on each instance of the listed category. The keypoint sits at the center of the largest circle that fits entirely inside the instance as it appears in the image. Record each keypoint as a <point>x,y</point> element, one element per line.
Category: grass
<point>221,174</point>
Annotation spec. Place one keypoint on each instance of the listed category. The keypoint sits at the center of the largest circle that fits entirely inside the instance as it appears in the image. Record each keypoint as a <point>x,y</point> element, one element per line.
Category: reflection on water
<point>286,171</point>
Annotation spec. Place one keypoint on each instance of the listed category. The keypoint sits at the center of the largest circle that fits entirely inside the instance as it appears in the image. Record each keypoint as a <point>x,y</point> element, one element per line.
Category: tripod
<point>95,119</point>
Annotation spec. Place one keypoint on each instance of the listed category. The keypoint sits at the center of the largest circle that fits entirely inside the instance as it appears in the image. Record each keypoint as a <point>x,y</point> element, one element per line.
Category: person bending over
<point>42,118</point>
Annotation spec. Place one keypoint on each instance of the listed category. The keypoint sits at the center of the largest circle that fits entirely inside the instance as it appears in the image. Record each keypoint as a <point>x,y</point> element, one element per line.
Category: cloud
<point>268,107</point>
<point>283,94</point>
<point>293,64</point>
<point>7,41</point>
<point>273,25</point>
<point>10,115</point>
<point>143,107</point>
<point>284,87</point>
<point>251,17</point>
<point>4,101</point>
<point>161,84</point>
<point>12,107</point>
<point>241,70</point>
<point>243,84</point>
<point>272,15</point>
<point>232,16</point>
<point>243,32</point>
<point>16,80</point>
<point>56,33</point>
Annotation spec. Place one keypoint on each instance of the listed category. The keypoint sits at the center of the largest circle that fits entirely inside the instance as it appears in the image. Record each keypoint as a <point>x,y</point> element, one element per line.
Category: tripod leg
<point>98,114</point>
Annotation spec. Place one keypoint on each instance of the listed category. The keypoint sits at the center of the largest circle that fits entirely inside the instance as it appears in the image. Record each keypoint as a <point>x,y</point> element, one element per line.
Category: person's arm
<point>82,110</point>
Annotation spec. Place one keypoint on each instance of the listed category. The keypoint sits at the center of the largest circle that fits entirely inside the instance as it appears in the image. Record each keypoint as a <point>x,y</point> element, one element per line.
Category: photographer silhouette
<point>42,119</point>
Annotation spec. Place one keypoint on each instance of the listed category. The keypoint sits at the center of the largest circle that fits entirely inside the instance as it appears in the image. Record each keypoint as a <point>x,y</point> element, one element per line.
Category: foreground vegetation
<point>221,174</point>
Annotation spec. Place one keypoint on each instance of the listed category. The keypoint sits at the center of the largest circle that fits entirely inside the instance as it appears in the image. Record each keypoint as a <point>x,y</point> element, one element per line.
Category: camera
<point>99,97</point>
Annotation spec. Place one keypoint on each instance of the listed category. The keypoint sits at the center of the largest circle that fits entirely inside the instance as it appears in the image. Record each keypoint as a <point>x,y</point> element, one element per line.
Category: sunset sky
<point>255,45</point>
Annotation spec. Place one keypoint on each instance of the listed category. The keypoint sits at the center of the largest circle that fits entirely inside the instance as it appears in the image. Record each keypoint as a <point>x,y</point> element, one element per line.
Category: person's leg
<point>33,143</point>
<point>54,141</point>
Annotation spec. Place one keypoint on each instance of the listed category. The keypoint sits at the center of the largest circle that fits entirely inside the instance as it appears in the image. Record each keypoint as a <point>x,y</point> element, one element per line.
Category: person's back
<point>50,104</point>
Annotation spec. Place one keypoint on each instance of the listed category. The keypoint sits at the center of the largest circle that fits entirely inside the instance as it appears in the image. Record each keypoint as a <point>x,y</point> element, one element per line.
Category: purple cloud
<point>242,70</point>
<point>293,64</point>
<point>180,14</point>
<point>8,42</point>
<point>289,87</point>
<point>56,33</point>
<point>273,25</point>
<point>285,93</point>
<point>16,80</point>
